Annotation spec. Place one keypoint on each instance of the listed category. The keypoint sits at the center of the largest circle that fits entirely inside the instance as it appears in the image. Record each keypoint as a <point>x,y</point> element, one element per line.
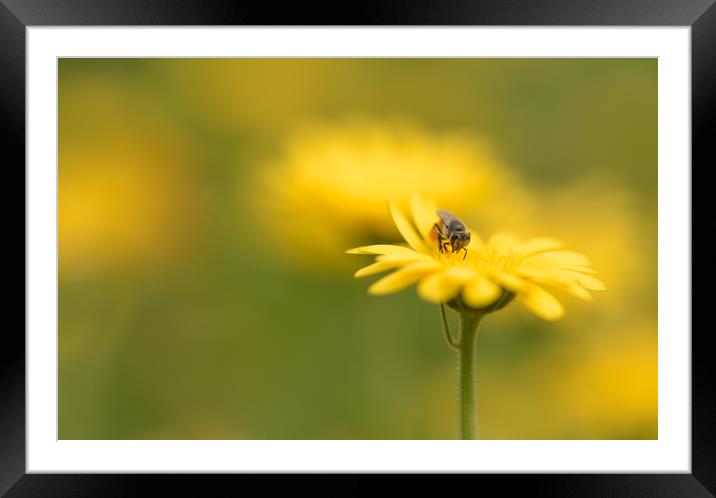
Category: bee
<point>451,233</point>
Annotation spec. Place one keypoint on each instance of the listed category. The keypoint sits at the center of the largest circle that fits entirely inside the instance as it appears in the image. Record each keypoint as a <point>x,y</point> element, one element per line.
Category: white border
<point>671,452</point>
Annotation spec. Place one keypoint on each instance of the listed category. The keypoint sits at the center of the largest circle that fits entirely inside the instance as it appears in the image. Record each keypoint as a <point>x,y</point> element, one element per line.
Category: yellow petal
<point>480,292</point>
<point>539,272</point>
<point>590,283</point>
<point>503,242</point>
<point>445,285</point>
<point>510,282</point>
<point>383,249</point>
<point>577,291</point>
<point>537,245</point>
<point>412,257</point>
<point>377,267</point>
<point>406,229</point>
<point>557,259</point>
<point>562,279</point>
<point>542,303</point>
<point>577,268</point>
<point>424,213</point>
<point>402,278</point>
<point>548,273</point>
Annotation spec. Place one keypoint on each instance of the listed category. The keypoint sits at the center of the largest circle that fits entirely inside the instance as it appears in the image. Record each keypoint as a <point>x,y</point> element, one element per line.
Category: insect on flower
<point>499,268</point>
<point>450,233</point>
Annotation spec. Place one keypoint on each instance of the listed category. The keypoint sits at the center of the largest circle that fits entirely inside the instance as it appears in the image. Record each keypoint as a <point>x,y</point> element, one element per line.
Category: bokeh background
<point>205,206</point>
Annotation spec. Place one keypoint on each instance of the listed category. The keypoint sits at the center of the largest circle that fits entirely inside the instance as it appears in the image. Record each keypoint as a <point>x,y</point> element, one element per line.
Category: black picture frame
<point>16,15</point>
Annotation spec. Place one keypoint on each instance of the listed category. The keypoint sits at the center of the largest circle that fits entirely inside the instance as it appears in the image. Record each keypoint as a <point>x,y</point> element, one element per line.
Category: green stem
<point>468,391</point>
<point>446,329</point>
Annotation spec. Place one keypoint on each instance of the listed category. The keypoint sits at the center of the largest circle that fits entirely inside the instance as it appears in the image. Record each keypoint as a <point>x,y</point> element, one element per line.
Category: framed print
<point>276,246</point>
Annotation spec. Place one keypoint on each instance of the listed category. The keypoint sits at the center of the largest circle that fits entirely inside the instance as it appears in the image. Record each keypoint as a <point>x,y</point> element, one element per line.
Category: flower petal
<point>480,292</point>
<point>557,259</point>
<point>577,268</point>
<point>402,278</point>
<point>572,288</point>
<point>445,285</point>
<point>510,282</point>
<point>562,279</point>
<point>383,249</point>
<point>424,213</point>
<point>537,245</point>
<point>503,242</point>
<point>377,267</point>
<point>542,303</point>
<point>407,258</point>
<point>406,229</point>
<point>590,283</point>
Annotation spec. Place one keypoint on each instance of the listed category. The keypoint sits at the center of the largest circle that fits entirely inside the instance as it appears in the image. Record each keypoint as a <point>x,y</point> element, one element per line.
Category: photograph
<point>357,248</point>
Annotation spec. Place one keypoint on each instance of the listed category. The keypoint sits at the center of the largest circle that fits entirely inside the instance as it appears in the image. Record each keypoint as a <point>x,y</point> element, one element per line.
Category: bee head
<point>459,240</point>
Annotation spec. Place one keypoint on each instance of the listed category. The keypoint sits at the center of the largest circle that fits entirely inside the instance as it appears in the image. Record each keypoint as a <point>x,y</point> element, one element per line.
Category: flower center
<point>482,259</point>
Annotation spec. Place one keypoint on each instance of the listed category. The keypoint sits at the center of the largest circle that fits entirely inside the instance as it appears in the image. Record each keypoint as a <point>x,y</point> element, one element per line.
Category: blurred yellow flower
<point>487,277</point>
<point>122,206</point>
<point>608,384</point>
<point>121,212</point>
<point>604,219</point>
<point>127,186</point>
<point>329,190</point>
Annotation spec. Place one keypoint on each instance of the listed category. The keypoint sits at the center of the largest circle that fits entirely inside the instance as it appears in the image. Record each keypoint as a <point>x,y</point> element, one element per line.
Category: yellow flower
<point>328,190</point>
<point>127,189</point>
<point>487,277</point>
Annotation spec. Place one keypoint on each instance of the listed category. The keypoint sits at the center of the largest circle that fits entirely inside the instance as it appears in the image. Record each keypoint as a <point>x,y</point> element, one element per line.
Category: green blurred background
<point>196,302</point>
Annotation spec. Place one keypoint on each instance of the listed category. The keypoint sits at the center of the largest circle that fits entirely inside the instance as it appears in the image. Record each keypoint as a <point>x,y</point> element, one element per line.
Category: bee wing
<point>445,216</point>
